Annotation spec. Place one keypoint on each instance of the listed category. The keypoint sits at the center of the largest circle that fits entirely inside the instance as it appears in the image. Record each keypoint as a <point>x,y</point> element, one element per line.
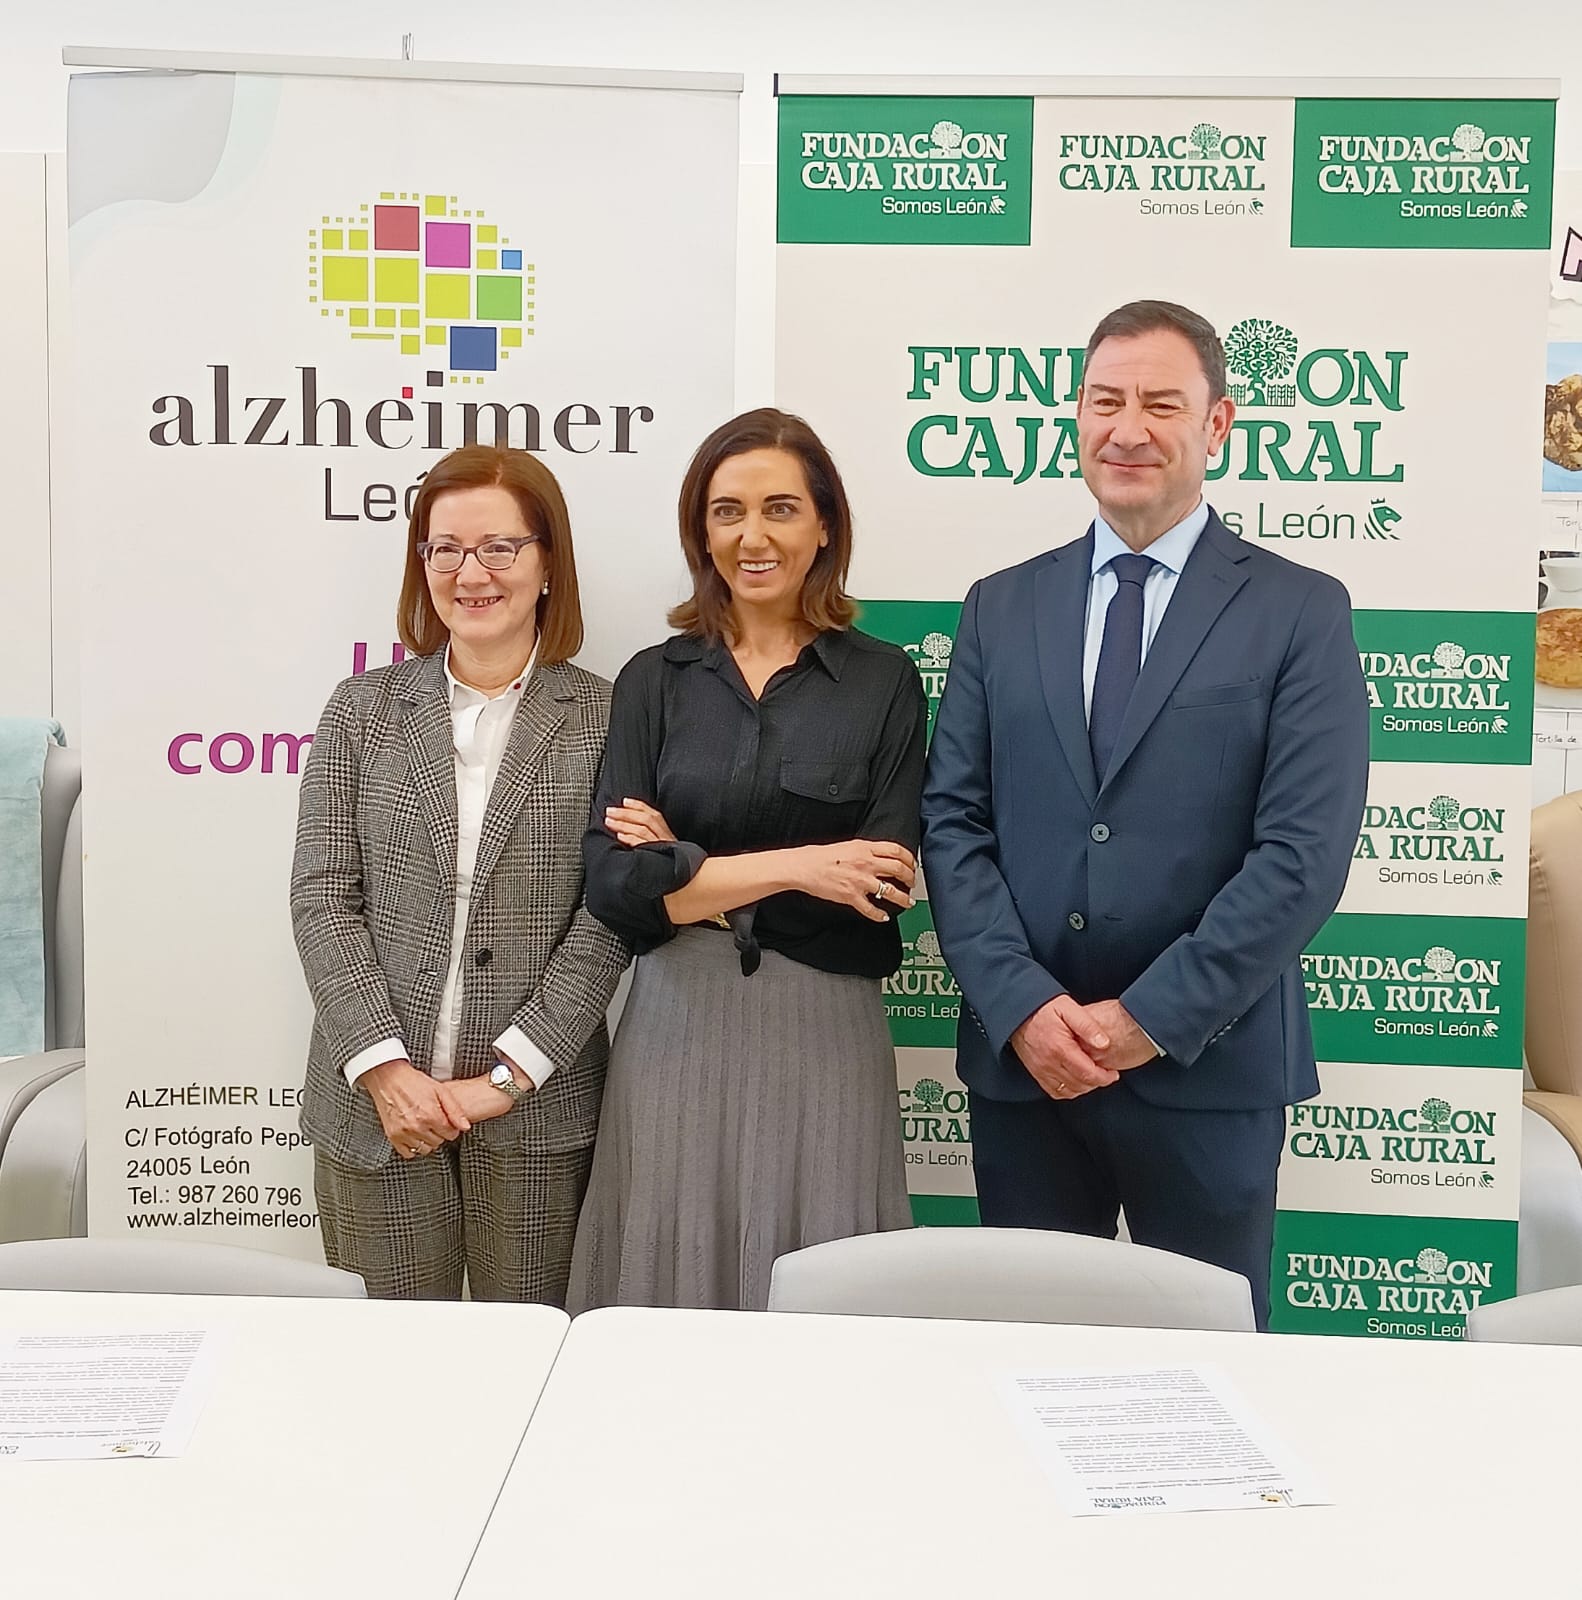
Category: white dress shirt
<point>480,729</point>
<point>1169,551</point>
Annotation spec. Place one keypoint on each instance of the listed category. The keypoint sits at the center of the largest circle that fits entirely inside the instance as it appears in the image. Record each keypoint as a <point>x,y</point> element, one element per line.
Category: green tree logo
<point>936,649</point>
<point>929,1093</point>
<point>1262,351</point>
<point>1449,658</point>
<point>1441,961</point>
<point>1436,1113</point>
<point>1444,812</point>
<point>947,138</point>
<point>926,948</point>
<point>1433,1264</point>
<point>1468,140</point>
<point>1206,139</point>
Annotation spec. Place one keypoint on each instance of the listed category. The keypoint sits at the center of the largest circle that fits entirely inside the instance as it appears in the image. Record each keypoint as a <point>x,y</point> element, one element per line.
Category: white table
<point>350,1448</point>
<point>714,1454</point>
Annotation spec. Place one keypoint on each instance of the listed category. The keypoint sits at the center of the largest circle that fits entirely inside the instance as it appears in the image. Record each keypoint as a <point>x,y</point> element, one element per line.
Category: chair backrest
<point>1554,947</point>
<point>164,1266</point>
<point>61,842</point>
<point>1553,1317</point>
<point>1010,1275</point>
<point>44,1165</point>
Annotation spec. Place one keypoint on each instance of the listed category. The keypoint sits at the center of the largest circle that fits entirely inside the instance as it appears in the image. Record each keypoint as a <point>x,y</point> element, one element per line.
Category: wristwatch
<point>501,1076</point>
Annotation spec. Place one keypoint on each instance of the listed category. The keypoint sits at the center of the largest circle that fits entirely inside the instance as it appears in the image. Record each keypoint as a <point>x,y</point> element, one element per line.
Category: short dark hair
<point>1149,316</point>
<point>706,613</point>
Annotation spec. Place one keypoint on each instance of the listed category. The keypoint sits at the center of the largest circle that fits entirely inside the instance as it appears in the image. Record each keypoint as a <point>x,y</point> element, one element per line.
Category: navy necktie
<point>1120,658</point>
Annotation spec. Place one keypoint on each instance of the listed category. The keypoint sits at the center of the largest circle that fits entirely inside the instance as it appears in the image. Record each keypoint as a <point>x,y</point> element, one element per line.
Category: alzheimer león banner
<point>291,295</point>
<point>1377,270</point>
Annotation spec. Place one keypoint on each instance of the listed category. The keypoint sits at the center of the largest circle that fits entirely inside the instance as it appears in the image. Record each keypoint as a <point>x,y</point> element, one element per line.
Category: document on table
<point>1153,1439</point>
<point>90,1396</point>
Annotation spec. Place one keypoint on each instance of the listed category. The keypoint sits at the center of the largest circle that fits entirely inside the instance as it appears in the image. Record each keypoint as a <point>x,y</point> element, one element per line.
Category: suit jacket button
<point>483,958</point>
<point>1077,921</point>
<point>1099,832</point>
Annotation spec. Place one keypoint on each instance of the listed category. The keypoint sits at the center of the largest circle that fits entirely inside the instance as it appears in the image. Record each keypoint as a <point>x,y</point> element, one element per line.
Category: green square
<point>499,299</point>
<point>359,317</point>
<point>488,260</point>
<point>924,629</point>
<point>357,239</point>
<point>434,205</point>
<point>1392,1277</point>
<point>410,344</point>
<point>447,295</point>
<point>332,239</point>
<point>973,184</point>
<point>1423,991</point>
<point>488,233</point>
<point>384,318</point>
<point>410,317</point>
<point>1422,174</point>
<point>922,1001</point>
<point>434,335</point>
<point>395,279</point>
<point>345,277</point>
<point>510,338</point>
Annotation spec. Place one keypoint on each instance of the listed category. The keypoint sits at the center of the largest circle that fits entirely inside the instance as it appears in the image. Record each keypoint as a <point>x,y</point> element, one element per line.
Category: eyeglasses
<point>495,554</point>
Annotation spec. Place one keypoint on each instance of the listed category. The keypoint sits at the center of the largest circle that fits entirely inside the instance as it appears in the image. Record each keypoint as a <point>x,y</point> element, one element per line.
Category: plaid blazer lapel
<point>431,744</point>
<point>537,719</point>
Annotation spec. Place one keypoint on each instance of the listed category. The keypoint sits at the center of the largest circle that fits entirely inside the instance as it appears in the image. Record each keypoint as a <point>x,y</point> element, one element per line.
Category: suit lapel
<point>430,742</point>
<point>543,709</point>
<point>1060,611</point>
<point>1214,572</point>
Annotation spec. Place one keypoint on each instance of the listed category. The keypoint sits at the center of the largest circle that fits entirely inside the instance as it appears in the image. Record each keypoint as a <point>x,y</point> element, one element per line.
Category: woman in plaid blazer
<point>459,985</point>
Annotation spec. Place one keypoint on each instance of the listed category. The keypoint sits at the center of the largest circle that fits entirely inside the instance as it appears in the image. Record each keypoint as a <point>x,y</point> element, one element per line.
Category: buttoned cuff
<point>374,1056</point>
<point>517,1047</point>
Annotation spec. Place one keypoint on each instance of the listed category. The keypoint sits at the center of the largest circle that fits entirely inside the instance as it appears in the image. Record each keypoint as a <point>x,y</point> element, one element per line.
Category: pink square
<point>447,244</point>
<point>395,227</point>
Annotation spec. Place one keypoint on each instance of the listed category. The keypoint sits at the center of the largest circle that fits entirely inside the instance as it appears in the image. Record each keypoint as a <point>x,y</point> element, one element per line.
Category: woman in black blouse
<point>753,839</point>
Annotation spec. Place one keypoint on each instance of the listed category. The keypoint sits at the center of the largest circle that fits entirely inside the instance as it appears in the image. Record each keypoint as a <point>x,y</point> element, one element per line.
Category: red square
<point>406,391</point>
<point>396,227</point>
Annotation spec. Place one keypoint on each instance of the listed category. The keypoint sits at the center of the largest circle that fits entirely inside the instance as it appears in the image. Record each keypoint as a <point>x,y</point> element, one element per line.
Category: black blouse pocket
<point>834,782</point>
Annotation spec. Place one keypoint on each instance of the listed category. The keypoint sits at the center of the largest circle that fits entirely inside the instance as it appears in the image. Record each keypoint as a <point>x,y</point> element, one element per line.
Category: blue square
<point>472,349</point>
<point>510,260</point>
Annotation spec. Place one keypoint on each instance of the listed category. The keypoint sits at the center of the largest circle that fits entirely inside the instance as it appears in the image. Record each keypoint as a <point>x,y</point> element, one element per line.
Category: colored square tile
<point>332,239</point>
<point>396,279</point>
<point>396,228</point>
<point>447,296</point>
<point>472,350</point>
<point>410,344</point>
<point>357,239</point>
<point>500,299</point>
<point>511,260</point>
<point>487,260</point>
<point>510,338</point>
<point>345,277</point>
<point>434,334</point>
<point>410,317</point>
<point>434,205</point>
<point>447,244</point>
<point>488,233</point>
<point>384,317</point>
<point>359,316</point>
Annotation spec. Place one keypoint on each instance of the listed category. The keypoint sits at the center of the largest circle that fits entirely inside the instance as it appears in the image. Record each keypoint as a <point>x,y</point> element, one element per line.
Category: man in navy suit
<point>1146,781</point>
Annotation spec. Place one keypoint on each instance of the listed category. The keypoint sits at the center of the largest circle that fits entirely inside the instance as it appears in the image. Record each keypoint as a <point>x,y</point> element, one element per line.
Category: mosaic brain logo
<point>418,272</point>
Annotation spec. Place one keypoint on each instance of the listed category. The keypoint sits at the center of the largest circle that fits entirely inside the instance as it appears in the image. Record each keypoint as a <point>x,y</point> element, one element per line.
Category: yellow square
<point>332,239</point>
<point>384,317</point>
<point>396,279</point>
<point>434,205</point>
<point>410,344</point>
<point>510,338</point>
<point>359,317</point>
<point>433,335</point>
<point>488,260</point>
<point>488,233</point>
<point>410,317</point>
<point>358,238</point>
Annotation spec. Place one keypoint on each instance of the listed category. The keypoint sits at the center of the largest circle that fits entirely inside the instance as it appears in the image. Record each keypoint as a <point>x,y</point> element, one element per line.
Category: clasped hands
<point>419,1113</point>
<point>1070,1049</point>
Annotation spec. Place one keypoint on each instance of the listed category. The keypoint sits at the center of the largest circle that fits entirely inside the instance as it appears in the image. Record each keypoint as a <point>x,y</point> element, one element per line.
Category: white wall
<point>1362,38</point>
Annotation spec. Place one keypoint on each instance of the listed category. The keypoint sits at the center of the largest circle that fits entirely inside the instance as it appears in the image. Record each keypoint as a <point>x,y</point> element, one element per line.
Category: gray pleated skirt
<point>743,1117</point>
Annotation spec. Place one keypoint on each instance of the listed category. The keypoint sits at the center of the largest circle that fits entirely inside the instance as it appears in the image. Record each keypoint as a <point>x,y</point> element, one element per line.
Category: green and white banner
<point>292,292</point>
<point>1376,266</point>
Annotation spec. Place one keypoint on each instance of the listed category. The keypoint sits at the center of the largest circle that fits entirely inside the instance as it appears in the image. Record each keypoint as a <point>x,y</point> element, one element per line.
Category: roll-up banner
<point>1375,259</point>
<point>294,286</point>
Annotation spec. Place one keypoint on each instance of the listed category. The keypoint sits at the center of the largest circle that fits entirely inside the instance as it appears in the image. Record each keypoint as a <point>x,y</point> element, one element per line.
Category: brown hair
<point>825,605</point>
<point>1150,316</point>
<point>532,484</point>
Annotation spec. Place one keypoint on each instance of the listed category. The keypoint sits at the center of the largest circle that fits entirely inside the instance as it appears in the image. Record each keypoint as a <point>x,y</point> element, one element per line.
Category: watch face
<point>500,1076</point>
